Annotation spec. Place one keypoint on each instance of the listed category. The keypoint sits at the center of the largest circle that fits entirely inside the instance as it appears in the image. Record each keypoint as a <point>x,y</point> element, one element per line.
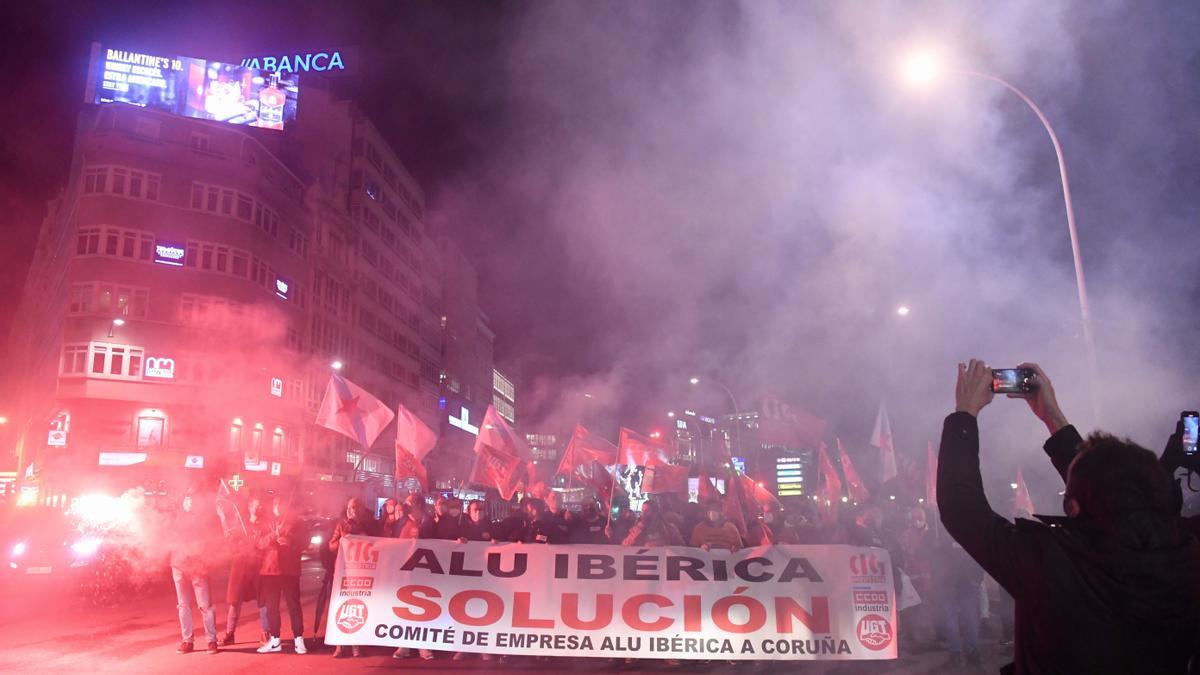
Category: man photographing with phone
<point>1114,588</point>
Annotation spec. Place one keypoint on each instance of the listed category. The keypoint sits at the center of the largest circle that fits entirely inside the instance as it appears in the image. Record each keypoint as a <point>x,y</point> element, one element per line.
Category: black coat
<point>1119,600</point>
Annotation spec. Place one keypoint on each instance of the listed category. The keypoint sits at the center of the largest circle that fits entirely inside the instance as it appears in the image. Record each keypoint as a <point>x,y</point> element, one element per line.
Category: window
<point>150,433</point>
<point>240,263</point>
<point>87,241</point>
<point>99,358</point>
<point>235,438</point>
<point>79,298</point>
<point>111,241</point>
<point>104,299</point>
<point>245,207</point>
<point>128,244</point>
<point>74,360</point>
<point>146,247</point>
<point>95,180</point>
<point>200,142</point>
<point>118,180</point>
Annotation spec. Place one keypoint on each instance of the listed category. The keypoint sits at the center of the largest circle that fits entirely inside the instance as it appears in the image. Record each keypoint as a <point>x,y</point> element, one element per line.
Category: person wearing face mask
<point>589,528</point>
<point>354,521</point>
<point>281,542</point>
<point>479,527</point>
<point>243,575</point>
<point>417,524</point>
<point>763,531</point>
<point>715,531</point>
<point>389,519</point>
<point>558,519</point>
<point>652,530</point>
<point>447,522</point>
<point>189,570</point>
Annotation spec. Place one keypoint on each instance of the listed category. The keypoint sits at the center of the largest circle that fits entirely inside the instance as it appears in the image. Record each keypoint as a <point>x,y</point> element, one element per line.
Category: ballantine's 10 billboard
<point>768,602</point>
<point>208,90</point>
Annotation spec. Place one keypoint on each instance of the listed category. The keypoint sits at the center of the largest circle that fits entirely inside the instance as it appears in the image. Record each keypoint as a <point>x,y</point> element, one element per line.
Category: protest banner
<point>768,602</point>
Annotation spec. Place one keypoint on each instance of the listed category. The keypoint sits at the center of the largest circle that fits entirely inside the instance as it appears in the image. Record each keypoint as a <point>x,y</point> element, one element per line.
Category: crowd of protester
<point>1124,564</point>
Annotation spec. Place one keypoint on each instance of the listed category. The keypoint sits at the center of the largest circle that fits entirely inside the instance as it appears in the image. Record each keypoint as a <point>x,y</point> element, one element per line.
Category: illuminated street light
<point>3,419</point>
<point>845,499</point>
<point>902,310</point>
<point>118,321</point>
<point>671,413</point>
<point>694,380</point>
<point>922,69</point>
<point>336,365</point>
<point>1012,485</point>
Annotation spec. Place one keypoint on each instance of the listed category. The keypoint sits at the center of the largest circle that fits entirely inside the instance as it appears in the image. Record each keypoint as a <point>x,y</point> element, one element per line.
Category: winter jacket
<point>484,530</point>
<point>582,531</point>
<point>282,559</point>
<point>1123,599</point>
<point>723,536</point>
<point>653,532</point>
<point>343,527</point>
<point>195,543</point>
<point>443,527</point>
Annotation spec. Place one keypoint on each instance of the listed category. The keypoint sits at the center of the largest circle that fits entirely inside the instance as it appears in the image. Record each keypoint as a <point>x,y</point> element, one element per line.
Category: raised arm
<point>1064,441</point>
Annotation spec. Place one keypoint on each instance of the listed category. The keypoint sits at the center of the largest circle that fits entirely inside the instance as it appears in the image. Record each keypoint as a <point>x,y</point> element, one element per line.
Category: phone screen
<point>1007,381</point>
<point>1191,432</point>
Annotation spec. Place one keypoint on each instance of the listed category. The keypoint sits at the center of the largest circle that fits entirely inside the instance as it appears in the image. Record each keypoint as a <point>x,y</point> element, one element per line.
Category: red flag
<point>854,485</point>
<point>881,438</point>
<point>1022,503</point>
<point>500,455</point>
<point>662,478</point>
<point>754,491</point>
<point>706,490</point>
<point>414,440</point>
<point>733,508</point>
<point>782,424</point>
<point>351,411</point>
<point>601,479</point>
<point>641,450</point>
<point>930,476</point>
<point>585,448</point>
<point>831,487</point>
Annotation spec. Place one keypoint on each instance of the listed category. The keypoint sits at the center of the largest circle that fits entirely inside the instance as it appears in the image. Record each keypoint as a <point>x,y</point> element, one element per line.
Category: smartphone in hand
<point>1191,431</point>
<point>1013,380</point>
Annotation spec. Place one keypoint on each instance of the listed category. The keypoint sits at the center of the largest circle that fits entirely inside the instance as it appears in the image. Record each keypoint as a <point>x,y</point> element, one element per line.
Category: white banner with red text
<point>769,602</point>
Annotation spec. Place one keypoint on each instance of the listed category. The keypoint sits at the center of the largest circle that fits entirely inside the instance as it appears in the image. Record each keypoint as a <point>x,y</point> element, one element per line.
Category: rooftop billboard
<point>190,87</point>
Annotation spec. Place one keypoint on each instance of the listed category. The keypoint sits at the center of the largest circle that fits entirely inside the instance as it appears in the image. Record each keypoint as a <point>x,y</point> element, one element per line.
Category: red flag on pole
<point>881,438</point>
<point>931,462</point>
<point>734,499</point>
<point>831,487</point>
<point>1022,503</point>
<point>662,478</point>
<point>641,450</point>
<point>854,485</point>
<point>351,411</point>
<point>601,479</point>
<point>500,456</point>
<point>782,424</point>
<point>705,489</point>
<point>757,492</point>
<point>585,448</point>
<point>414,440</point>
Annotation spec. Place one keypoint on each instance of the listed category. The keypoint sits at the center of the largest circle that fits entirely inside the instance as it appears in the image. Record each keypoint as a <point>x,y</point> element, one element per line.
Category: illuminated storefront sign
<point>121,458</point>
<point>276,387</point>
<point>463,421</point>
<point>276,468</point>
<point>789,476</point>
<point>60,424</point>
<point>169,253</point>
<point>189,87</point>
<point>314,62</point>
<point>282,287</point>
<point>160,367</point>
<point>194,462</point>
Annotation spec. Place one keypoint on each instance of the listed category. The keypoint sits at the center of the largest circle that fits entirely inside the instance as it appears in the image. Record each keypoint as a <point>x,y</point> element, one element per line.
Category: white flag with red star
<point>351,411</point>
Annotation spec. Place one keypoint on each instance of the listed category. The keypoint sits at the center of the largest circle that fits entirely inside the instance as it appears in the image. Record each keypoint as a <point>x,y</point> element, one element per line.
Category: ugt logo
<point>351,616</point>
<point>874,632</point>
<point>360,555</point>
<point>866,564</point>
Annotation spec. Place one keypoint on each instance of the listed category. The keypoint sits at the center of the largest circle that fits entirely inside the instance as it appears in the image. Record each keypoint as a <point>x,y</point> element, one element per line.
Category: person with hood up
<point>243,575</point>
<point>1111,588</point>
<point>190,549</point>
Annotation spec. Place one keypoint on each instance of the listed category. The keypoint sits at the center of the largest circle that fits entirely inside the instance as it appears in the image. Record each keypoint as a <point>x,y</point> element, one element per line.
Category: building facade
<point>192,285</point>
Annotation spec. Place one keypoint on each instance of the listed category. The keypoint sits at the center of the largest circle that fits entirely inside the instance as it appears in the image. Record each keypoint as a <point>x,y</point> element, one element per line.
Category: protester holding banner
<point>762,531</point>
<point>715,531</point>
<point>558,519</point>
<point>534,527</point>
<point>417,524</point>
<point>447,523</point>
<point>479,527</point>
<point>652,530</point>
<point>354,521</point>
<point>589,527</point>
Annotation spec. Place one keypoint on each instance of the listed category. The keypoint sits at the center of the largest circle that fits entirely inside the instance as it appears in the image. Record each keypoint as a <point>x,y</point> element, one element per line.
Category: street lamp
<point>902,310</point>
<point>117,322</point>
<point>737,438</point>
<point>336,365</point>
<point>922,69</point>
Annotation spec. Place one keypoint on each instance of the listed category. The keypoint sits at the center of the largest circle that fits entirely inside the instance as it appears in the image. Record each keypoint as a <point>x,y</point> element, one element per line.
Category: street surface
<point>46,628</point>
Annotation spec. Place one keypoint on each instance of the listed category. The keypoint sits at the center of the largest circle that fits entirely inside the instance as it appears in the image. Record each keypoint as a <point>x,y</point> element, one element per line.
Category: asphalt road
<point>46,628</point>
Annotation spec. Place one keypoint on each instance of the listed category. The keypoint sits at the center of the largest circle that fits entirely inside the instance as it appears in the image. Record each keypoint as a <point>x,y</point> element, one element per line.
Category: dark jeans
<point>960,610</point>
<point>323,601</point>
<point>270,587</point>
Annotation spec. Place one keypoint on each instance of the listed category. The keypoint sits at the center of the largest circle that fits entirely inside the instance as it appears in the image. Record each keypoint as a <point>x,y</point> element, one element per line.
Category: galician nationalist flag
<point>351,411</point>
<point>414,440</point>
<point>881,438</point>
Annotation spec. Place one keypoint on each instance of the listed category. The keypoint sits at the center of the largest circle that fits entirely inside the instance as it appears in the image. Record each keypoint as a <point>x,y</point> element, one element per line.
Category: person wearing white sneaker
<point>273,645</point>
<point>300,648</point>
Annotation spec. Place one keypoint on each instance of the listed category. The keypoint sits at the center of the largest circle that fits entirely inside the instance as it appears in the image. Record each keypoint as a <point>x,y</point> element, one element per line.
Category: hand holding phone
<point>1013,380</point>
<point>1191,431</point>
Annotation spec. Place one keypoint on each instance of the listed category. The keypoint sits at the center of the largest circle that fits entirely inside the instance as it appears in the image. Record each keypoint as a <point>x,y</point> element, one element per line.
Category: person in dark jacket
<point>354,521</point>
<point>957,600</point>
<point>192,540</point>
<point>447,522</point>
<point>589,528</point>
<point>281,543</point>
<point>1112,588</point>
<point>243,575</point>
<point>479,527</point>
<point>534,526</point>
<point>390,519</point>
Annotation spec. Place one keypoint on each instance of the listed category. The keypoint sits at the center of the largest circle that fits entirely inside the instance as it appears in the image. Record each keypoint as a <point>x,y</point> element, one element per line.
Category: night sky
<point>652,190</point>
